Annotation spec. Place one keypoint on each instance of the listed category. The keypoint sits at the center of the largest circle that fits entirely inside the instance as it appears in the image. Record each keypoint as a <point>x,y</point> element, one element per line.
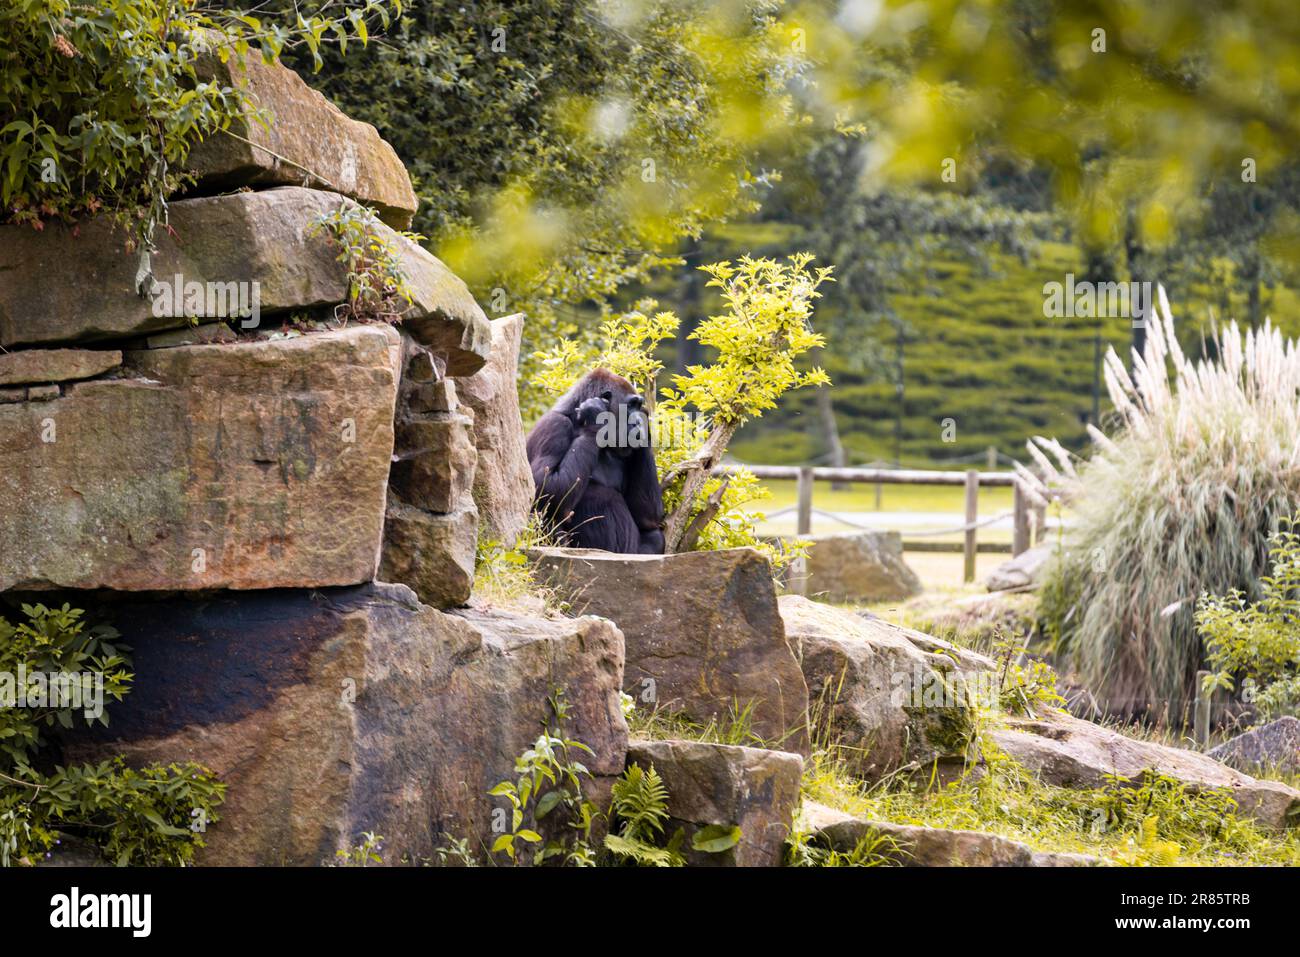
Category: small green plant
<point>151,816</point>
<point>549,785</point>
<point>737,727</point>
<point>873,849</point>
<point>362,854</point>
<point>640,809</point>
<point>1259,642</point>
<point>1023,688</point>
<point>65,672</point>
<point>455,852</point>
<point>378,286</point>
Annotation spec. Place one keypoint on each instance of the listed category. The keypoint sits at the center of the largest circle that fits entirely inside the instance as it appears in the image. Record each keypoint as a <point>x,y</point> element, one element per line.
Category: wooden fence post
<point>1201,726</point>
<point>972,512</point>
<point>803,528</point>
<point>1020,520</point>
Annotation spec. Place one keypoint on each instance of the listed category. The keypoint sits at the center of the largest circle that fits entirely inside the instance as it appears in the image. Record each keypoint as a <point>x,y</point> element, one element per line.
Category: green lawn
<point>893,498</point>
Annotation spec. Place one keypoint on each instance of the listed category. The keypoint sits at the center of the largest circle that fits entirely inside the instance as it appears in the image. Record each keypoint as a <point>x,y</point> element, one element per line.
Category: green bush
<point>1179,501</point>
<point>154,815</point>
<point>1260,641</point>
<point>101,103</point>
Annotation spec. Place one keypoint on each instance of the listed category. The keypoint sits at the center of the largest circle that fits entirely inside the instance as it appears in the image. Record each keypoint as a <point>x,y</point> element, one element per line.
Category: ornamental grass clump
<point>1180,500</point>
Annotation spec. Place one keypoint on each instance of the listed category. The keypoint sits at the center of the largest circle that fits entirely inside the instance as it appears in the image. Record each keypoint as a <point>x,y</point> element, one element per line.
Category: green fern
<point>640,807</point>
<point>641,803</point>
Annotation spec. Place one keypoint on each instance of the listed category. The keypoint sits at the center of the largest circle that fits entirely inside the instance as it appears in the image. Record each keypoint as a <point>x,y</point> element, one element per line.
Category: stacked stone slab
<point>232,493</point>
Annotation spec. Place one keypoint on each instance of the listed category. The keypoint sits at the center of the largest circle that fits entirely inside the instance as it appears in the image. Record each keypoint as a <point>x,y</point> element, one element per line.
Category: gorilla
<point>594,469</point>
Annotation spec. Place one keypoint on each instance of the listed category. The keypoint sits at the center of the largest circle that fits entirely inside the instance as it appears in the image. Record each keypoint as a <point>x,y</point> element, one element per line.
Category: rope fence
<point>1027,520</point>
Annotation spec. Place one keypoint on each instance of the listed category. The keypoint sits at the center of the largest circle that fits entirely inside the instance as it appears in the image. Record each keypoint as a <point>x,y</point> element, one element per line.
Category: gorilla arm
<point>644,500</point>
<point>562,455</point>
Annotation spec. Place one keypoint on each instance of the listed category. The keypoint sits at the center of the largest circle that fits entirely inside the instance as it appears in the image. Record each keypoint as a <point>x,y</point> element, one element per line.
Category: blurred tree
<point>1134,107</point>
<point>562,148</point>
<point>878,237</point>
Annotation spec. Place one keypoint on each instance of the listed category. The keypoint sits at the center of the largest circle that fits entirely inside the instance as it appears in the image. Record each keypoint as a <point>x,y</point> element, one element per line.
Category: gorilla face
<point>618,412</point>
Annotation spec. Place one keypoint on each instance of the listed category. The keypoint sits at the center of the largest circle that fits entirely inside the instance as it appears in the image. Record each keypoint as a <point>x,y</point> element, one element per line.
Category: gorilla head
<point>613,405</point>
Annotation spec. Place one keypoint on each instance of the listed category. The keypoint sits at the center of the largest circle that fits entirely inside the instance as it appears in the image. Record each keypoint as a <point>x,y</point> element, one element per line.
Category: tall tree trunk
<point>697,472</point>
<point>1254,307</point>
<point>829,428</point>
<point>1097,271</point>
<point>689,310</point>
<point>1132,257</point>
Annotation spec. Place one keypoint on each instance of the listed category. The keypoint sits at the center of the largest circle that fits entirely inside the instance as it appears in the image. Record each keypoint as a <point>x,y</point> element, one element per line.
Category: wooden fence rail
<point>1024,516</point>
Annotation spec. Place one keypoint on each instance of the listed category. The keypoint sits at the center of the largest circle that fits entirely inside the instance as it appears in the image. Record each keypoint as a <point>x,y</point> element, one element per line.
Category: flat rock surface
<point>258,465</point>
<point>703,632</point>
<point>55,365</point>
<point>300,139</point>
<point>1070,752</point>
<point>71,286</point>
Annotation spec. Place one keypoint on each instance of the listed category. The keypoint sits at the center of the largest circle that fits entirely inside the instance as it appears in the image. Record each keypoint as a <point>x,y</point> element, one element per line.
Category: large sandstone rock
<point>503,484</point>
<point>719,784</point>
<point>431,530</point>
<point>1069,752</point>
<point>860,566</point>
<point>911,845</point>
<point>257,465</point>
<point>56,365</point>
<point>1021,572</point>
<point>886,700</point>
<point>333,713</point>
<point>1274,745</point>
<point>300,139</point>
<point>68,287</point>
<point>435,461</point>
<point>431,553</point>
<point>703,633</point>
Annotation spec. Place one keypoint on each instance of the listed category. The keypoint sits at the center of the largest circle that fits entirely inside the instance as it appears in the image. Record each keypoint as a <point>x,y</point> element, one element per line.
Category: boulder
<point>860,566</point>
<point>259,465</point>
<point>910,845</point>
<point>503,484</point>
<point>887,701</point>
<point>1274,745</point>
<point>434,461</point>
<point>720,784</point>
<point>433,554</point>
<point>1021,572</point>
<point>56,365</point>
<point>1069,752</point>
<point>443,315</point>
<point>703,634</point>
<point>299,139</point>
<point>79,285</point>
<point>333,713</point>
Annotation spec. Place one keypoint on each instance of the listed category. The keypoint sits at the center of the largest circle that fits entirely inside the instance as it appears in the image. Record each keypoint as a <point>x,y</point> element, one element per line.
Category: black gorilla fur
<point>598,490</point>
